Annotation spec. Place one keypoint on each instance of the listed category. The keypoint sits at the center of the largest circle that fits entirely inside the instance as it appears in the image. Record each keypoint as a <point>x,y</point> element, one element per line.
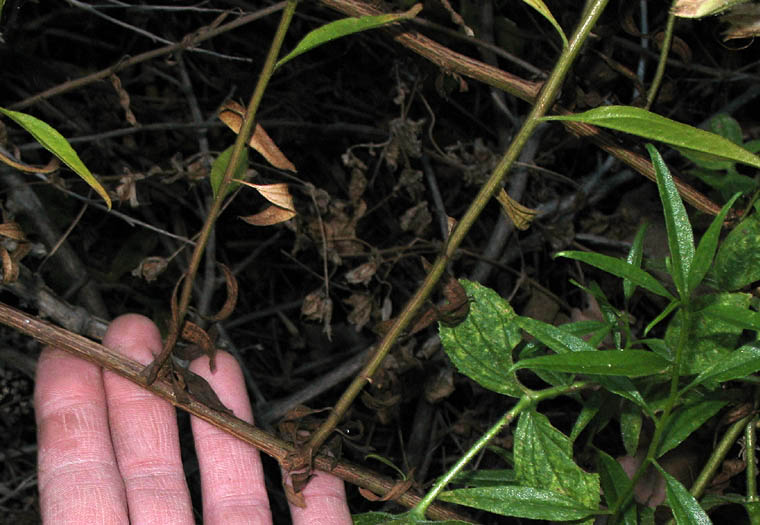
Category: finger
<point>325,497</point>
<point>78,478</point>
<point>144,431</point>
<point>232,479</point>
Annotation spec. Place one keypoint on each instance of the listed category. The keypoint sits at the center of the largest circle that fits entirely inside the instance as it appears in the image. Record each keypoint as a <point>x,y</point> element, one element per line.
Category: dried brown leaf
<point>743,22</point>
<point>269,216</point>
<point>232,114</point>
<point>520,215</point>
<point>199,389</point>
<point>362,274</point>
<point>10,271</point>
<point>440,386</point>
<point>278,194</point>
<point>51,166</point>
<point>294,494</point>
<point>123,99</point>
<point>361,309</point>
<point>12,230</point>
<point>396,491</point>
<point>416,218</point>
<point>232,295</point>
<point>195,334</point>
<point>150,268</point>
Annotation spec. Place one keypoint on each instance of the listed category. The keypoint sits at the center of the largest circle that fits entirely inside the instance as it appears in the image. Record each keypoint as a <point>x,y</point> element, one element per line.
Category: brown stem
<point>273,446</point>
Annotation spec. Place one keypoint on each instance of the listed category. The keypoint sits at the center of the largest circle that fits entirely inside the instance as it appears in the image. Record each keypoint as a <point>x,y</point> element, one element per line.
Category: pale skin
<point>109,450</point>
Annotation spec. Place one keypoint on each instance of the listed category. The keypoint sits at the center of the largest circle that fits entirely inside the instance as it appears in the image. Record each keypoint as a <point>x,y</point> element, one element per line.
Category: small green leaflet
<point>345,27</point>
<point>220,166</point>
<point>539,6</point>
<point>649,125</point>
<point>56,144</point>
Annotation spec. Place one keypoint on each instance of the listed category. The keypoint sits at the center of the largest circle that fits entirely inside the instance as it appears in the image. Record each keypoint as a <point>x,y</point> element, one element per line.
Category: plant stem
<point>661,423</point>
<point>664,51</point>
<point>241,142</point>
<point>525,402</point>
<point>718,455</point>
<point>750,443</point>
<point>542,105</point>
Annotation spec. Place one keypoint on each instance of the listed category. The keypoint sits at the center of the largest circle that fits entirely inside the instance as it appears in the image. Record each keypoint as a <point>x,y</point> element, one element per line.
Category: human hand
<point>109,450</point>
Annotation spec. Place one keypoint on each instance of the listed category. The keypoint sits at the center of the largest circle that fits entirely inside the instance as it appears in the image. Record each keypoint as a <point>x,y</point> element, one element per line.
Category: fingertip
<point>134,336</point>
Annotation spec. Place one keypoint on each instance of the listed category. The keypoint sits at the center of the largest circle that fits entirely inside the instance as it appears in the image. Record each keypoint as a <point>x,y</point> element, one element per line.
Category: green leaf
<point>485,477</point>
<point>735,314</point>
<point>345,27</point>
<point>220,166</point>
<point>407,518</point>
<point>556,338</point>
<point>708,245</point>
<point>634,258</point>
<point>630,427</point>
<point>686,509</point>
<point>736,365</point>
<point>710,338</point>
<point>655,127</point>
<point>727,126</point>
<point>737,263</point>
<point>521,502</point>
<point>539,6</point>
<point>680,234</point>
<point>686,420</point>
<point>625,388</point>
<point>628,363</point>
<point>662,315</point>
<point>481,345</point>
<point>621,269</point>
<point>544,460</point>
<point>590,408</point>
<point>615,485</point>
<point>56,144</point>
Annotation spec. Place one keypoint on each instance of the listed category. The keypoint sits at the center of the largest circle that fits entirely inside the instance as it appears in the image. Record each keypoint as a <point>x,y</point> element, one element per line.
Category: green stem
<point>662,423</point>
<point>241,142</point>
<point>542,105</point>
<point>750,442</point>
<point>718,455</point>
<point>664,51</point>
<point>526,401</point>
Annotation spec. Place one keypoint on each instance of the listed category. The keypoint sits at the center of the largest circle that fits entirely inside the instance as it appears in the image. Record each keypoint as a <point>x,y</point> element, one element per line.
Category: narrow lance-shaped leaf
<point>708,245</point>
<point>628,363</point>
<point>740,363</point>
<point>651,126</point>
<point>621,269</point>
<point>685,507</point>
<point>539,6</point>
<point>345,27</point>
<point>680,234</point>
<point>56,144</point>
<point>634,258</point>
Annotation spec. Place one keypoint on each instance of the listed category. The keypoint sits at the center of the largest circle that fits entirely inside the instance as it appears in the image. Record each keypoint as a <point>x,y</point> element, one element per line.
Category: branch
<point>271,445</point>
